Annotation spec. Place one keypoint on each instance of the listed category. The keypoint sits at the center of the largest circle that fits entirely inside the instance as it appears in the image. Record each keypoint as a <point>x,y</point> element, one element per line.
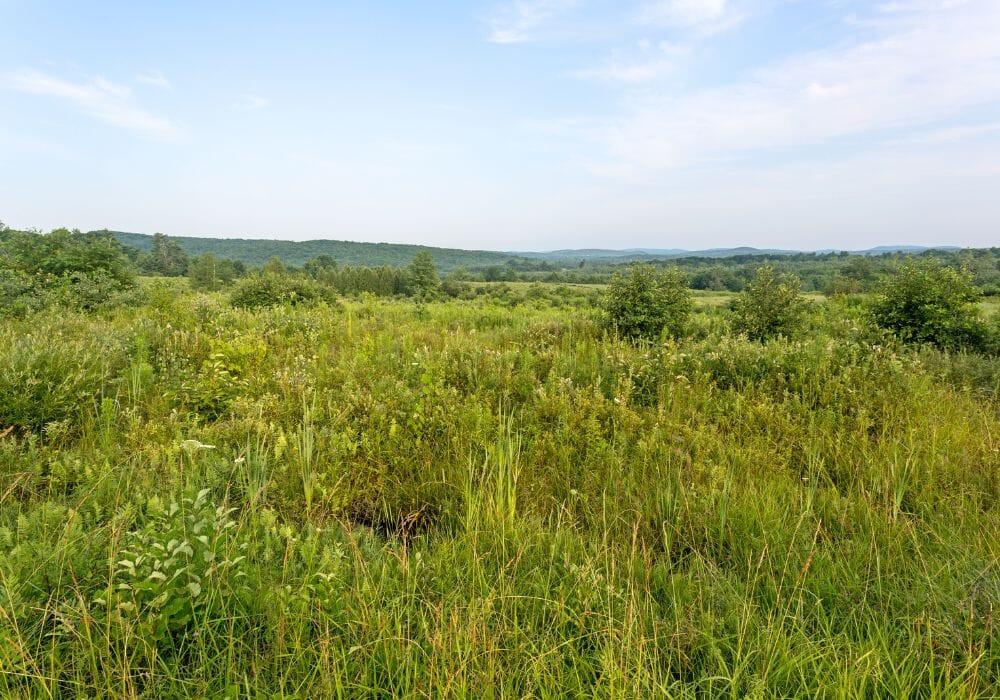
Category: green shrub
<point>928,303</point>
<point>271,290</point>
<point>171,565</point>
<point>54,377</point>
<point>770,306</point>
<point>18,293</point>
<point>646,302</point>
<point>62,268</point>
<point>90,291</point>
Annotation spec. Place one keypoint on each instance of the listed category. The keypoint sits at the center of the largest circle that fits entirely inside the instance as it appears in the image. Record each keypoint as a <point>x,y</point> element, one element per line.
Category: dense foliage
<point>770,306</point>
<point>466,498</point>
<point>62,268</point>
<point>273,288</point>
<point>422,277</point>
<point>208,273</point>
<point>254,253</point>
<point>646,302</point>
<point>928,303</point>
<point>828,272</point>
<point>166,258</point>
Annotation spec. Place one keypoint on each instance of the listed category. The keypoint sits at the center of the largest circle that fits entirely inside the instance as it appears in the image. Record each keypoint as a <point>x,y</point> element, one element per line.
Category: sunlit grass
<point>470,499</point>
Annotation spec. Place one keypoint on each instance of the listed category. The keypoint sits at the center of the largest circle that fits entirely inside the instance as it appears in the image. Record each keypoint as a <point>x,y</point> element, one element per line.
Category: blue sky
<point>532,124</point>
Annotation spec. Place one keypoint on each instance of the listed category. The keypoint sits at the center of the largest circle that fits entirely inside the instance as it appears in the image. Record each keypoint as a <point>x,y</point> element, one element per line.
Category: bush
<point>52,376</point>
<point>927,303</point>
<point>271,290</point>
<point>770,306</point>
<point>646,302</point>
<point>62,268</point>
<point>171,566</point>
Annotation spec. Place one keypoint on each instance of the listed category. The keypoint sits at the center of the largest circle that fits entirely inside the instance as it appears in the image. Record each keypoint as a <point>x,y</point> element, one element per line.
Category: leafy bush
<point>770,306</point>
<point>62,268</point>
<point>169,566</point>
<point>17,293</point>
<point>50,377</point>
<point>271,290</point>
<point>221,377</point>
<point>928,303</point>
<point>646,302</point>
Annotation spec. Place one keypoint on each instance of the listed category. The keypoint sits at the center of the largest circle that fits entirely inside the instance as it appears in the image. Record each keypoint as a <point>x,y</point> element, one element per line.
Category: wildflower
<point>190,445</point>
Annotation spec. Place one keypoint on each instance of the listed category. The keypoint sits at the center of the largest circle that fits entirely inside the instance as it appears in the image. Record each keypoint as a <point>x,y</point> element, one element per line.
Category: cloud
<point>154,78</point>
<point>518,21</point>
<point>683,13</point>
<point>646,64</point>
<point>99,98</point>
<point>948,134</point>
<point>926,65</point>
<point>252,103</point>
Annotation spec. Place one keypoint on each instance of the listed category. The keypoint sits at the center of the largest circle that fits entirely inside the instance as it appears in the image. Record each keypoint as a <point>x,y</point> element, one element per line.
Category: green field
<point>473,499</point>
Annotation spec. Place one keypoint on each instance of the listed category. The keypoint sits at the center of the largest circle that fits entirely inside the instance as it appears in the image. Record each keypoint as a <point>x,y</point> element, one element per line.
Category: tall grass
<point>484,501</point>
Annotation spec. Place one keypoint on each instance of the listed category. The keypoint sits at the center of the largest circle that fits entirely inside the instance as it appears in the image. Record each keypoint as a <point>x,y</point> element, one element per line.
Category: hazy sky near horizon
<point>507,124</point>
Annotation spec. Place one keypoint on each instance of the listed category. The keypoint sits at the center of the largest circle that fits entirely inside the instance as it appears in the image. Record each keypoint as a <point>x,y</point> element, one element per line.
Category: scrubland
<point>378,498</point>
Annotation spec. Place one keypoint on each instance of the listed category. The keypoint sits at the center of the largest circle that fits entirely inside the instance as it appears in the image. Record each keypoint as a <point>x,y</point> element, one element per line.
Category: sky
<point>507,124</point>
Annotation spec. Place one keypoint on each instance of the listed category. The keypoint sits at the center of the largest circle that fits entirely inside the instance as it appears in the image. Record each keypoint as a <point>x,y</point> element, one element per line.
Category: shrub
<point>52,376</point>
<point>90,291</point>
<point>170,565</point>
<point>62,268</point>
<point>770,306</point>
<point>17,293</point>
<point>928,303</point>
<point>646,302</point>
<point>271,290</point>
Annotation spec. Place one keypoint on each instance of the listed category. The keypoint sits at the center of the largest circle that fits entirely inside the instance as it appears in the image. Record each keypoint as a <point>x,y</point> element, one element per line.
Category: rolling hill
<point>256,251</point>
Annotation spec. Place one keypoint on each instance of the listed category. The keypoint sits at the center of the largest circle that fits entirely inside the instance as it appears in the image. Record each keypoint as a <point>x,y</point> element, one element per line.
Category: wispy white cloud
<point>683,13</point>
<point>252,102</point>
<point>646,63</point>
<point>930,62</point>
<point>948,134</point>
<point>697,17</point>
<point>99,98</point>
<point>153,78</point>
<point>518,21</point>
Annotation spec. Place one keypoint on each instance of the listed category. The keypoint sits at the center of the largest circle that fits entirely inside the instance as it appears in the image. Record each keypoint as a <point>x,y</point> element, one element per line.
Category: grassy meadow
<point>490,498</point>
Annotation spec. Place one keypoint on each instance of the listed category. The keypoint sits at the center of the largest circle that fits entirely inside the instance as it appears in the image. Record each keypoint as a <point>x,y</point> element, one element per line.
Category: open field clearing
<point>380,498</point>
<point>500,349</point>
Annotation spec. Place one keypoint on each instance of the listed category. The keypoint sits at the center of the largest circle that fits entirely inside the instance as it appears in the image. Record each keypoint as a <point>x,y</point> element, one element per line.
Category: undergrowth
<point>468,499</point>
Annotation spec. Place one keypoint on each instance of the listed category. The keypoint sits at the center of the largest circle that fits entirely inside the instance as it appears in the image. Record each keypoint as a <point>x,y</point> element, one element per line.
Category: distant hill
<point>638,254</point>
<point>257,251</point>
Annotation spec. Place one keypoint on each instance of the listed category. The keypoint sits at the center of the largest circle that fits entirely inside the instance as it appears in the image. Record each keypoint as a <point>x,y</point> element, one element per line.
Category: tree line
<point>926,298</point>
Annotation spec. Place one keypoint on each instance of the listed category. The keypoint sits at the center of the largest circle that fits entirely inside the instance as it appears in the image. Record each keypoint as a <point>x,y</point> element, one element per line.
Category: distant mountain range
<point>628,254</point>
<point>256,251</point>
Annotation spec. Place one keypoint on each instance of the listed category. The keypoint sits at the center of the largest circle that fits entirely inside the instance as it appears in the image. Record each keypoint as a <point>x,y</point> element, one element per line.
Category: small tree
<point>770,306</point>
<point>422,276</point>
<point>645,302</point>
<point>167,257</point>
<point>274,266</point>
<point>928,303</point>
<point>208,273</point>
